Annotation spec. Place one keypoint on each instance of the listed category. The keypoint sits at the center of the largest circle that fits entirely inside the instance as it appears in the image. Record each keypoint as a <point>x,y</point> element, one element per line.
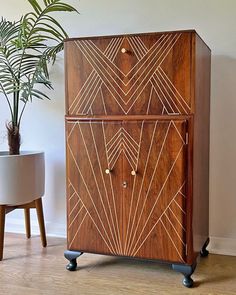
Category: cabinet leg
<point>187,271</point>
<point>204,252</point>
<point>72,256</point>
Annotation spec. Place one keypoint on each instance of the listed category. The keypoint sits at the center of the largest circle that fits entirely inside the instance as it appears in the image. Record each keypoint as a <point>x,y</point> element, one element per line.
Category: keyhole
<point>124,184</point>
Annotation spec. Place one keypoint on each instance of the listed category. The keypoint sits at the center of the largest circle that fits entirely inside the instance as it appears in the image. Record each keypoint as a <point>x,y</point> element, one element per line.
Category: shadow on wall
<point>223,147</point>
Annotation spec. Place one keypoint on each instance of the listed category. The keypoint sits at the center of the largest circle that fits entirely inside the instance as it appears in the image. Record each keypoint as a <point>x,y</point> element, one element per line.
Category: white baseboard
<point>14,225</point>
<point>223,246</point>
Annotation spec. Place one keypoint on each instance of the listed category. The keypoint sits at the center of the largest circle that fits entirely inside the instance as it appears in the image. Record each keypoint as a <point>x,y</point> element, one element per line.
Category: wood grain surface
<point>138,104</point>
<point>141,215</point>
<point>151,77</point>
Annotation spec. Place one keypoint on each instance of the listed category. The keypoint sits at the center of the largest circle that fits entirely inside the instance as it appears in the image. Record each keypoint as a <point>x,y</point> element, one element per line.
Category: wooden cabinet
<point>137,136</point>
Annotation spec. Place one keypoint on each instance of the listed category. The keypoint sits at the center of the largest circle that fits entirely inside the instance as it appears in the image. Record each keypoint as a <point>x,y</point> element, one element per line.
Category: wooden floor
<point>29,269</point>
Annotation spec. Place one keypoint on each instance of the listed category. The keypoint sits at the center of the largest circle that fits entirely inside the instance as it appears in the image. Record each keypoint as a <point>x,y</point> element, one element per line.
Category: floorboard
<point>28,269</point>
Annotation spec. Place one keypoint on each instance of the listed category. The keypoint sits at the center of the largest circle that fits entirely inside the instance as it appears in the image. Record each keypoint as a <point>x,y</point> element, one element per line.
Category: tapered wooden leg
<point>27,222</point>
<point>2,228</point>
<point>39,209</point>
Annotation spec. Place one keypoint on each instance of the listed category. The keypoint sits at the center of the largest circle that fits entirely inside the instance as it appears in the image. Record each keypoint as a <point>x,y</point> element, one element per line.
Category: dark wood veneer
<point>137,130</point>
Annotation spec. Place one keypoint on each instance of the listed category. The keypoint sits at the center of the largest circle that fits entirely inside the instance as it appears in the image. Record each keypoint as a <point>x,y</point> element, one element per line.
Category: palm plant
<point>27,47</point>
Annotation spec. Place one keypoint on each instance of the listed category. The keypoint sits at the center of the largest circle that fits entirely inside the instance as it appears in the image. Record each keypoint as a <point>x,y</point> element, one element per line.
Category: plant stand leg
<point>2,228</point>
<point>187,271</point>
<point>27,222</point>
<point>204,252</point>
<point>72,256</point>
<point>39,209</point>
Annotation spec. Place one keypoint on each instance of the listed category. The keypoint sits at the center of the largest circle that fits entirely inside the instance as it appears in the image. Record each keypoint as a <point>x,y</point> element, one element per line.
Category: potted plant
<point>27,48</point>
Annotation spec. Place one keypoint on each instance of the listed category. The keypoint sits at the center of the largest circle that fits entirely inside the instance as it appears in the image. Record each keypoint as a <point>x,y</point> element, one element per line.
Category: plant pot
<point>22,177</point>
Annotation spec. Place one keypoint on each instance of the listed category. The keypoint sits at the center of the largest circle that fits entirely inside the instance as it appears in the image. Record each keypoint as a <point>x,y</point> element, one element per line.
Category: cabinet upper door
<point>154,214</point>
<point>133,74</point>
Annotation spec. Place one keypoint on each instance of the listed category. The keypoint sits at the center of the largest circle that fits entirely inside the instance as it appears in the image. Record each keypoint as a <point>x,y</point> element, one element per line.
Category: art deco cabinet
<point>137,138</point>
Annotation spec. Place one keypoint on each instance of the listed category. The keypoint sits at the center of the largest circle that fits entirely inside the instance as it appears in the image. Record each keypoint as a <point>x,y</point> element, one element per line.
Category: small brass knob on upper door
<point>107,171</point>
<point>123,50</point>
<point>133,172</point>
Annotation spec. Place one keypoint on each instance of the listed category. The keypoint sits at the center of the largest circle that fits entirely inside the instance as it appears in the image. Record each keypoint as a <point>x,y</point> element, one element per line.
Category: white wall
<point>43,126</point>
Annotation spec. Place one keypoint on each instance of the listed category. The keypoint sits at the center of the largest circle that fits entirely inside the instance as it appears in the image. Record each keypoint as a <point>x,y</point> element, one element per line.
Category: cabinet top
<point>134,34</point>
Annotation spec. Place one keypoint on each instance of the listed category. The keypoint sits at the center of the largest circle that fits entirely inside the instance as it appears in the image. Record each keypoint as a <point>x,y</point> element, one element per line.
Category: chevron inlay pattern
<point>145,82</point>
<point>154,209</point>
<point>122,142</point>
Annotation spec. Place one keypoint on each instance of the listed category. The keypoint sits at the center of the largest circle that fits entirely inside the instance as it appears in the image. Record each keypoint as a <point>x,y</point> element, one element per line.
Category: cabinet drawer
<point>129,75</point>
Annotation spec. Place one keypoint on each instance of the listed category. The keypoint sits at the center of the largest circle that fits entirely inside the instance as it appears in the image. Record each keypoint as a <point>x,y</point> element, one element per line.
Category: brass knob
<point>107,171</point>
<point>133,172</point>
<point>124,184</point>
<point>123,50</point>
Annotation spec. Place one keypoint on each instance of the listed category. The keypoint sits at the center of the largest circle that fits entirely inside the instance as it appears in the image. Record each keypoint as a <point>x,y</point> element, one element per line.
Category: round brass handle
<point>107,171</point>
<point>123,50</point>
<point>133,172</point>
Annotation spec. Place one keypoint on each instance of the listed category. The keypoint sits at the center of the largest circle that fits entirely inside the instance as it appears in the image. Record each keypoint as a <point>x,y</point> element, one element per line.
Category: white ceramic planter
<point>22,177</point>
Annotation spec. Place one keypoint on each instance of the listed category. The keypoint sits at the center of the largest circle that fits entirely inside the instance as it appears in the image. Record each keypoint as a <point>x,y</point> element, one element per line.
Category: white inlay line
<point>89,95</point>
<point>144,59</point>
<point>95,224</point>
<point>91,55</point>
<point>150,183</point>
<point>84,87</point>
<point>163,96</point>
<point>103,101</point>
<point>100,166</point>
<point>73,209</point>
<point>71,196</point>
<point>165,92</point>
<point>77,214</point>
<point>95,80</point>
<point>180,207</point>
<point>149,101</point>
<point>132,195</point>
<point>98,188</point>
<point>144,173</point>
<point>180,256</point>
<point>113,195</point>
<point>154,205</point>
<point>176,219</point>
<point>91,199</point>
<point>180,136</point>
<point>172,225</point>
<point>156,59</point>
<point>92,97</point>
<point>158,220</point>
<point>78,229</point>
<point>93,75</point>
<point>169,85</point>
<point>112,58</point>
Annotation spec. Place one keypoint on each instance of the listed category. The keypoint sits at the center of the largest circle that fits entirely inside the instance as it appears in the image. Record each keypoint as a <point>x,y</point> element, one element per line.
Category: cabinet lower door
<point>94,194</point>
<point>126,190</point>
<point>154,201</point>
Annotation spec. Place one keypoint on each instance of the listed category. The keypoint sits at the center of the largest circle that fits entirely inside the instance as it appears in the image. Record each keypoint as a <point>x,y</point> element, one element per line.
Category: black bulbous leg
<point>72,256</point>
<point>204,252</point>
<point>187,271</point>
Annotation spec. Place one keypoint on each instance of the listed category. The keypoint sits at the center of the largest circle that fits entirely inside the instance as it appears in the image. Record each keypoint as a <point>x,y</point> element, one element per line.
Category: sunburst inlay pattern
<point>156,208</point>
